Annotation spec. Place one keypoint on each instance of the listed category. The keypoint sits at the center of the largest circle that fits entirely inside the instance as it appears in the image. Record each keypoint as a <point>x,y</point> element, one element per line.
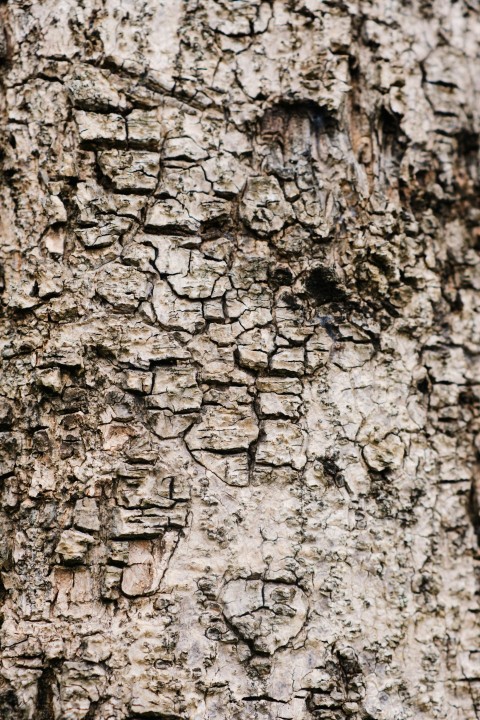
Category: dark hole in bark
<point>330,466</point>
<point>291,301</point>
<point>332,471</point>
<point>468,151</point>
<point>323,285</point>
<point>103,351</point>
<point>276,119</point>
<point>468,398</point>
<point>473,508</point>
<point>457,303</point>
<point>215,228</point>
<point>423,386</point>
<point>349,664</point>
<point>281,276</point>
<point>468,143</point>
<point>9,707</point>
<point>392,136</point>
<point>389,123</point>
<point>354,67</point>
<point>45,695</point>
<point>3,595</point>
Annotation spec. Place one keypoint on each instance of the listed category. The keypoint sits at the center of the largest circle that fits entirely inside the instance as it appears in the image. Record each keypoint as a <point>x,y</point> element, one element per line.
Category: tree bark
<point>240,388</point>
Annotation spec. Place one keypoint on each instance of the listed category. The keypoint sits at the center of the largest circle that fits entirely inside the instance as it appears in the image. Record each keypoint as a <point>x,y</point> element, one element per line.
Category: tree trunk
<point>241,354</point>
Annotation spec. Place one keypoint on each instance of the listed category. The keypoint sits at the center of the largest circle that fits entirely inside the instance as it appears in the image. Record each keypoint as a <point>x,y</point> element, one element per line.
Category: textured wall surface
<point>241,352</point>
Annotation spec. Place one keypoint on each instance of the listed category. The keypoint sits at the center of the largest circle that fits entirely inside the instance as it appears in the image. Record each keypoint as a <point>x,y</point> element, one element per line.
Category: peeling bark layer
<point>239,397</point>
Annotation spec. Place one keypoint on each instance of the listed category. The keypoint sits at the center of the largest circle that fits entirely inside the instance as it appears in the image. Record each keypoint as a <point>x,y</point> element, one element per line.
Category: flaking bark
<point>239,411</point>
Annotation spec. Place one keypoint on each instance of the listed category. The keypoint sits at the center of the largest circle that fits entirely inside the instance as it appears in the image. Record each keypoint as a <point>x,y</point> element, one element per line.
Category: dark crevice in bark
<point>45,696</point>
<point>323,285</point>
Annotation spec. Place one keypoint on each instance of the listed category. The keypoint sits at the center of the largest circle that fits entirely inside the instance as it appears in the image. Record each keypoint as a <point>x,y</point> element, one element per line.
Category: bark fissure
<point>239,404</point>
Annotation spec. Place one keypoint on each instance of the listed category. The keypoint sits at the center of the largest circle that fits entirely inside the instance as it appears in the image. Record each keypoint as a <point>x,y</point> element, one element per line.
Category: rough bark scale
<point>240,360</point>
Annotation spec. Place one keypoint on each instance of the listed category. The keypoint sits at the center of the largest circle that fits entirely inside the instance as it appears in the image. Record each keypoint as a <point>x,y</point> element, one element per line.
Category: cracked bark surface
<point>239,412</point>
